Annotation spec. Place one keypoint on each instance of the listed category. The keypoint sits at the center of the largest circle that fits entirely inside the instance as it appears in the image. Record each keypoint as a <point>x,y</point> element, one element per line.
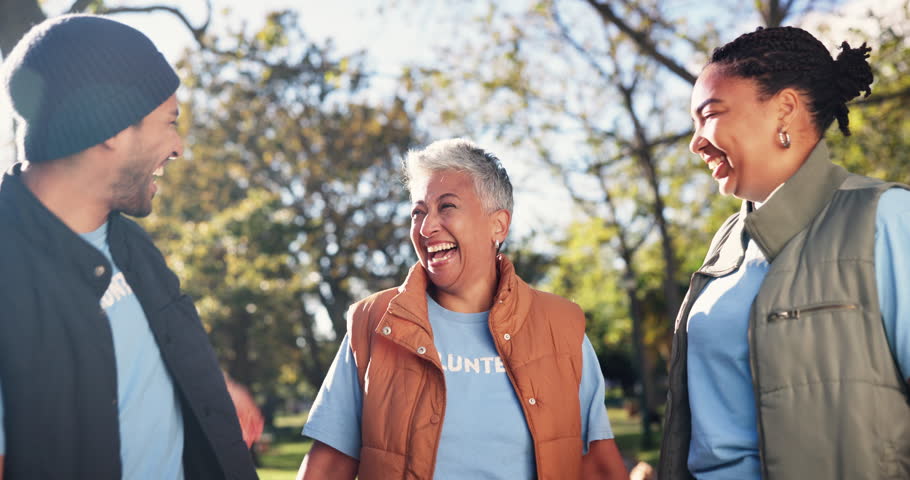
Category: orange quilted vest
<point>538,336</point>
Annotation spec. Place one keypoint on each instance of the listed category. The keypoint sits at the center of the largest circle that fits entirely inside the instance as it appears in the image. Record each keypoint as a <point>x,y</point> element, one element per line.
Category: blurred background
<point>288,205</point>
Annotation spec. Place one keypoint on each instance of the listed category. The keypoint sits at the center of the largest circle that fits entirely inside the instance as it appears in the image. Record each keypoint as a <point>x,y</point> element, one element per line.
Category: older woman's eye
<point>446,205</point>
<point>416,212</point>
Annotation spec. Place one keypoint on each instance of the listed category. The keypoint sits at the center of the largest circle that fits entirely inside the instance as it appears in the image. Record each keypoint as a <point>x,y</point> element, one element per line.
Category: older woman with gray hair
<point>464,371</point>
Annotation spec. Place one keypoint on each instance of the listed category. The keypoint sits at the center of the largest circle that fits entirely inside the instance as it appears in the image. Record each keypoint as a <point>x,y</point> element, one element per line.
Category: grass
<point>627,431</point>
<point>288,447</point>
<point>276,474</point>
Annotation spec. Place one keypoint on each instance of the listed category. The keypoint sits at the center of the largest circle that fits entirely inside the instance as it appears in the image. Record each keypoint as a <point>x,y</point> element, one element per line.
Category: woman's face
<point>451,233</point>
<point>736,134</point>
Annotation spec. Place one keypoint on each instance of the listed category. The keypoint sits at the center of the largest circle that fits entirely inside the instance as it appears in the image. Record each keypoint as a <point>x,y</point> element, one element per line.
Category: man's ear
<point>118,141</point>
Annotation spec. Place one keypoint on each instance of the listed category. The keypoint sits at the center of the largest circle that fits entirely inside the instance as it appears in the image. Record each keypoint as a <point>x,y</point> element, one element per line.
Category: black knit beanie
<point>78,80</point>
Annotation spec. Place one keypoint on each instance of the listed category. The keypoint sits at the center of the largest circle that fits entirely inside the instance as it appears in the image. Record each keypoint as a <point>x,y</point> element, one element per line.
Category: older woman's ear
<point>501,221</point>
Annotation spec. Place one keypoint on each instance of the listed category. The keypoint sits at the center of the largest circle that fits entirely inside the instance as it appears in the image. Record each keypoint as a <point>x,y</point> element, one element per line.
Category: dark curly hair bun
<point>854,73</point>
<point>790,57</point>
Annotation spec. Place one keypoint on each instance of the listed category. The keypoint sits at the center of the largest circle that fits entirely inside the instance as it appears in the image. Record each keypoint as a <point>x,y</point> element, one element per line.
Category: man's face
<point>151,144</point>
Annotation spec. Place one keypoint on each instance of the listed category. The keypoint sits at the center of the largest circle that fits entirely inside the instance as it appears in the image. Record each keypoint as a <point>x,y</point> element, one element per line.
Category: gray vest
<point>830,399</point>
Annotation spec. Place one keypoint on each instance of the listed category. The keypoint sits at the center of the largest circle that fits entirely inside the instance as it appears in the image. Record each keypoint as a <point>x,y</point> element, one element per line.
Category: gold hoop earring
<point>784,138</point>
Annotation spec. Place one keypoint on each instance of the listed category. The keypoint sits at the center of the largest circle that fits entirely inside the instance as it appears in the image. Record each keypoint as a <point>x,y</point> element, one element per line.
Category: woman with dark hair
<point>792,348</point>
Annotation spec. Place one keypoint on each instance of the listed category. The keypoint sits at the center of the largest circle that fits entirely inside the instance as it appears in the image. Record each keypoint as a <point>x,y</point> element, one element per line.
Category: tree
<point>18,16</point>
<point>598,92</point>
<point>879,124</point>
<point>556,89</point>
<point>289,207</point>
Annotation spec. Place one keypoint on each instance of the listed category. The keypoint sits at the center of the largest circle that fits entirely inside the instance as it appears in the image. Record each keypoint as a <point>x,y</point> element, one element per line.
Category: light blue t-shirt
<point>483,422</point>
<point>724,441</point>
<point>151,425</point>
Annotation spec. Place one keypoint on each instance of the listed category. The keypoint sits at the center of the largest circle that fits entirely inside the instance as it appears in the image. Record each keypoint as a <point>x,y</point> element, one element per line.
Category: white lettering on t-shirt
<point>471,364</point>
<point>457,363</point>
<point>455,367</point>
<point>116,291</point>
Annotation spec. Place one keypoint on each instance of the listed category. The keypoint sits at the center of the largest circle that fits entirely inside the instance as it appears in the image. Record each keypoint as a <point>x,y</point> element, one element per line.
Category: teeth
<point>440,247</point>
<point>159,171</point>
<point>715,162</point>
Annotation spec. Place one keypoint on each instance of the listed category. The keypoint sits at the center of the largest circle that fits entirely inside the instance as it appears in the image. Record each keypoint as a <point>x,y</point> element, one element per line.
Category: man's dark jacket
<point>57,366</point>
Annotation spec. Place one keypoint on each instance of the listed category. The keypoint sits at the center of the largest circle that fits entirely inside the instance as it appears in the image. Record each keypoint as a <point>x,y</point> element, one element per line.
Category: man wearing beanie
<point>105,369</point>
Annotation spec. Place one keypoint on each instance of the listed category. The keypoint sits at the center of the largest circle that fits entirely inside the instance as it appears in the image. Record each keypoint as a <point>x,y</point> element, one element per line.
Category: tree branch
<point>625,249</point>
<point>79,6</point>
<point>641,39</point>
<point>696,44</point>
<point>627,149</point>
<point>879,99</point>
<point>197,32</point>
<point>588,57</point>
<point>670,139</point>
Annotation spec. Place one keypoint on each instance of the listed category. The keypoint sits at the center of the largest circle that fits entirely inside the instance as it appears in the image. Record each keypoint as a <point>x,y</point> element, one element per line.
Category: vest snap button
<point>99,270</point>
<point>434,419</point>
<point>532,401</point>
<point>386,330</point>
<point>421,350</point>
<point>507,336</point>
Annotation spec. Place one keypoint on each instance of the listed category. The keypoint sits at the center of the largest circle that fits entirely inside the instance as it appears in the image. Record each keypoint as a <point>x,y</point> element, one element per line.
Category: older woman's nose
<point>429,226</point>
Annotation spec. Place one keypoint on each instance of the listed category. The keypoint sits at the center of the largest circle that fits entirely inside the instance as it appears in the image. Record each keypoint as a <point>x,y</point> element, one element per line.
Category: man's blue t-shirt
<point>724,441</point>
<point>483,422</point>
<point>151,425</point>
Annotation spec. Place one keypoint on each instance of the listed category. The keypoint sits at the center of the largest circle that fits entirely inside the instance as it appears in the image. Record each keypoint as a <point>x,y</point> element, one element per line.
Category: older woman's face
<point>451,233</point>
<point>735,134</point>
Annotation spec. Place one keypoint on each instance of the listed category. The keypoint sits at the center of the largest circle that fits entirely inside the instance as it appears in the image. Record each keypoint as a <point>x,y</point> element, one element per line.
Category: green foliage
<point>597,101</point>
<point>288,207</point>
<point>879,125</point>
<point>586,273</point>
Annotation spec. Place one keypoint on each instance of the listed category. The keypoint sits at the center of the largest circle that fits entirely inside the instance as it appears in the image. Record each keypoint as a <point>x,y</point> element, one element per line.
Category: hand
<point>248,413</point>
<point>642,471</point>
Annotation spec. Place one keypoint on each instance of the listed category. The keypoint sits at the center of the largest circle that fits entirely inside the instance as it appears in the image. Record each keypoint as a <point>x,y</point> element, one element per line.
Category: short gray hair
<point>491,182</point>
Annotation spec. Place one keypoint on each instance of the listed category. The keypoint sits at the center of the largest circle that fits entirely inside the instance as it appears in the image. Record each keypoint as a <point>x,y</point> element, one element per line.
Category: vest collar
<point>46,232</point>
<point>796,204</point>
<point>510,302</point>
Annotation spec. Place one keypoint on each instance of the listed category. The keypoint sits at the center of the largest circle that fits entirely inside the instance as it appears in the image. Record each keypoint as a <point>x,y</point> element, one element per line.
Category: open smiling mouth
<point>720,167</point>
<point>441,252</point>
<point>160,170</point>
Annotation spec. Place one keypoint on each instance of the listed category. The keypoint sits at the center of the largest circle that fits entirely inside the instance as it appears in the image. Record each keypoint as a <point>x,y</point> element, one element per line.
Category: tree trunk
<point>311,364</point>
<point>638,336</point>
<point>16,18</point>
<point>645,158</point>
<point>240,365</point>
<point>774,12</point>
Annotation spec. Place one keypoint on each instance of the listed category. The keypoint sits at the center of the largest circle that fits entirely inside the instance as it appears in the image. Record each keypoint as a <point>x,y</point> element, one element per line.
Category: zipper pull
<point>785,315</point>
